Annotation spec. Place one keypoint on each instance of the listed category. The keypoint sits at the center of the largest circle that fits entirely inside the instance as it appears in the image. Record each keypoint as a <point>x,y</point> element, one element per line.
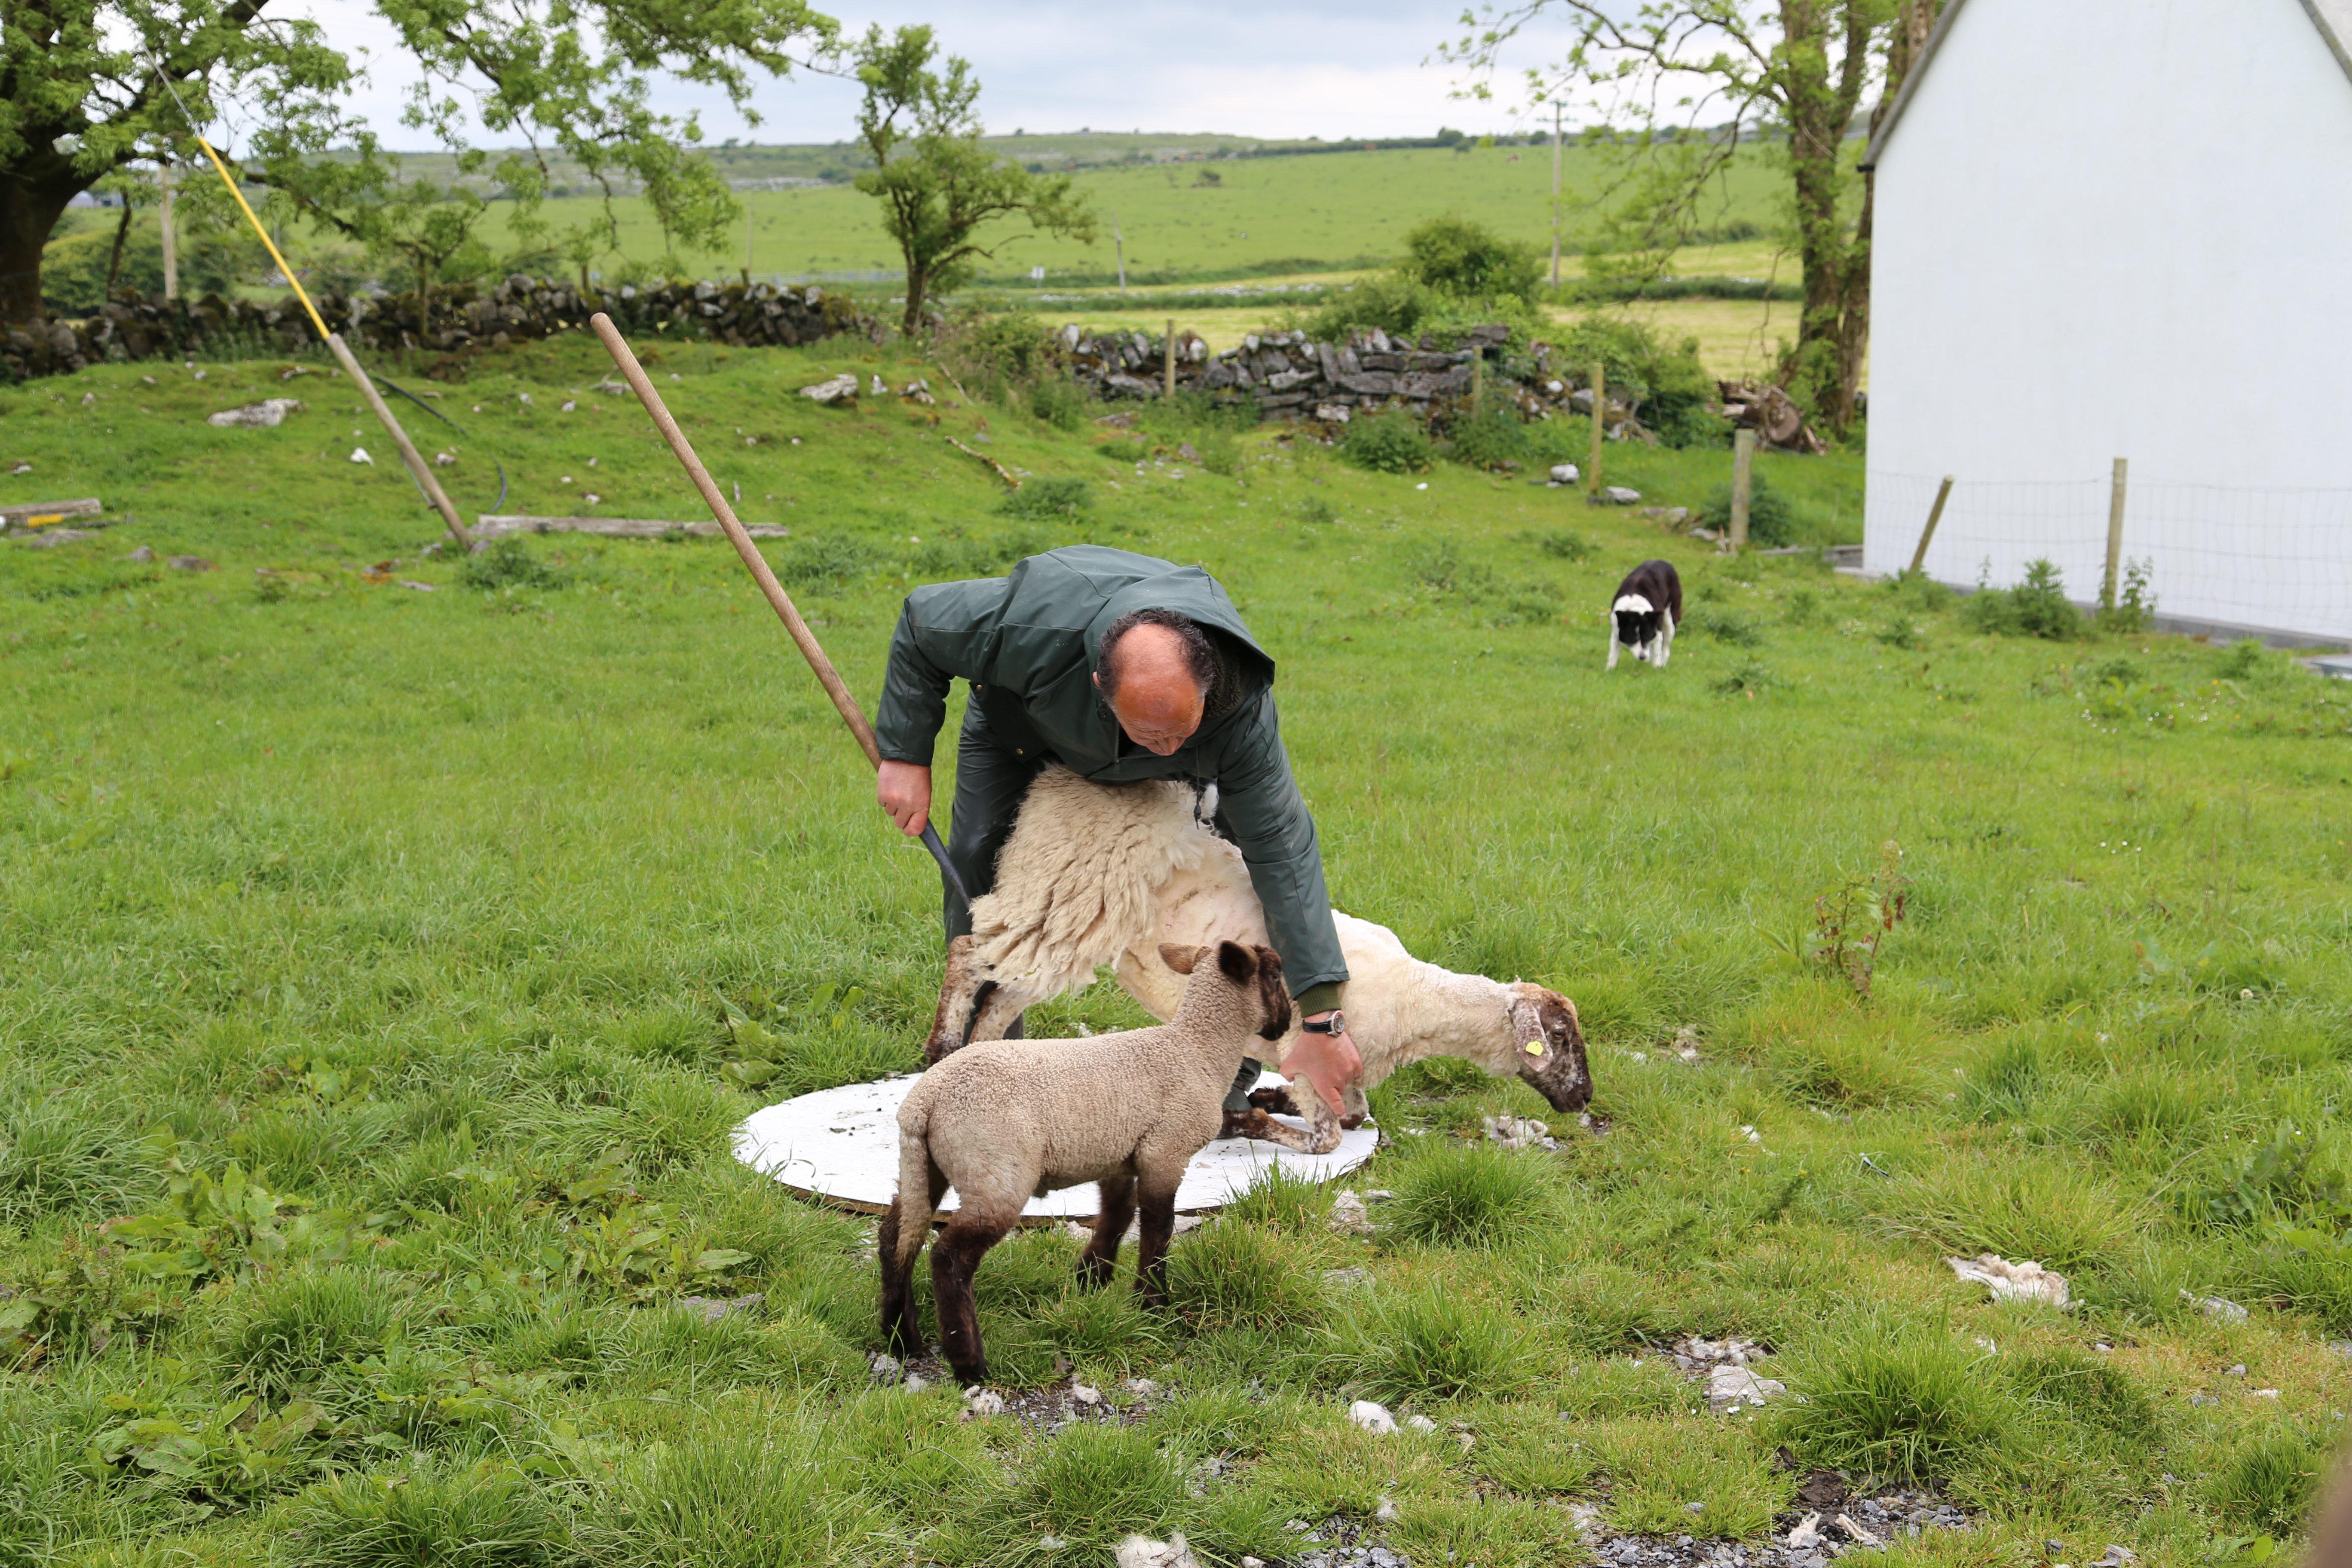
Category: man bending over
<point>1119,667</point>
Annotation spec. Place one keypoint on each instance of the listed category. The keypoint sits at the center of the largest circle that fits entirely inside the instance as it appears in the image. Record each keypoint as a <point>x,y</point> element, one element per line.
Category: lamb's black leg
<point>1157,1198</point>
<point>955,1258</point>
<point>1114,1208</point>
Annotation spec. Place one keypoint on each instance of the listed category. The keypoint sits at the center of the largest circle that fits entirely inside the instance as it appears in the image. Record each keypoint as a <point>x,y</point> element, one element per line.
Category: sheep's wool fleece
<point>1079,877</point>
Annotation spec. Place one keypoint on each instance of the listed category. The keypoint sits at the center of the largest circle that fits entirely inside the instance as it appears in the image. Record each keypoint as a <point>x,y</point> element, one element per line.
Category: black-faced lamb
<point>1008,1120</point>
<point>1104,874</point>
<point>1647,608</point>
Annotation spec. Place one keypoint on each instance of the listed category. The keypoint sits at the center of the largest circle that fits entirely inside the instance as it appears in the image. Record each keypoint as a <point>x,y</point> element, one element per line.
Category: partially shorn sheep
<point>1007,1119</point>
<point>1107,874</point>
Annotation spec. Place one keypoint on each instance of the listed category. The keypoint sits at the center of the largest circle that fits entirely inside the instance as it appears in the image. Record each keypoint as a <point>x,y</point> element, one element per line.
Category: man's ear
<point>1180,959</point>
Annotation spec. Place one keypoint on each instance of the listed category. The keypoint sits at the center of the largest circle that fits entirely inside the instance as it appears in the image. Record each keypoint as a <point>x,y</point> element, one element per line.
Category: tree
<point>87,87</point>
<point>937,184</point>
<point>1456,256</point>
<point>1794,72</point>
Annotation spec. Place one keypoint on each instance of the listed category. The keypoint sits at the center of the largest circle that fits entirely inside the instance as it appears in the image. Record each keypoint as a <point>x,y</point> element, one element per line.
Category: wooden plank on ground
<point>46,514</point>
<point>490,525</point>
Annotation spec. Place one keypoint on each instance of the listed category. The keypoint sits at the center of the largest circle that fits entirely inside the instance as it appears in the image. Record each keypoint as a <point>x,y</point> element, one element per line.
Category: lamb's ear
<point>1180,959</point>
<point>1239,963</point>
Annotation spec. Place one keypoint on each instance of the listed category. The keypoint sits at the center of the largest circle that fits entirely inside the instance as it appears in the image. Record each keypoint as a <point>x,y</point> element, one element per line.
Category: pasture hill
<point>392,938</point>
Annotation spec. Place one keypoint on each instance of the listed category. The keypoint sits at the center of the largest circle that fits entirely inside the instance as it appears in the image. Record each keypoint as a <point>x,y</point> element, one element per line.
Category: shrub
<point>1723,626</point>
<point>2036,607</point>
<point>1747,677</point>
<point>488,1517</point>
<point>1566,545</point>
<point>1488,437</point>
<point>1396,305</point>
<point>1902,1403</point>
<point>1771,520</point>
<point>1474,1196</point>
<point>507,562</point>
<point>1390,442</point>
<point>1671,390</point>
<point>1059,401</point>
<point>826,560</point>
<point>1047,500</point>
<point>1454,256</point>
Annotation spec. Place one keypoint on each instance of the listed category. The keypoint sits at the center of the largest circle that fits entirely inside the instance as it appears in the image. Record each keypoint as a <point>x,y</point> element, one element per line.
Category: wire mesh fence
<point>2270,559</point>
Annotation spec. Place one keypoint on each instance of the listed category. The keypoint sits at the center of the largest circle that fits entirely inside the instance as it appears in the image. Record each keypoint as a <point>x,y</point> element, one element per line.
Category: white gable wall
<point>2123,227</point>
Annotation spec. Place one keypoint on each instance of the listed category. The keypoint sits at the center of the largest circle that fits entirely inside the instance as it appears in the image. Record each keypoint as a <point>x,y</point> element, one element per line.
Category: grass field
<point>383,970</point>
<point>1265,215</point>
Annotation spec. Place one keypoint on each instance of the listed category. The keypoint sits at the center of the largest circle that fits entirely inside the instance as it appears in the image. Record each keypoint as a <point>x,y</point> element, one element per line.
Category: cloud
<point>1281,68</point>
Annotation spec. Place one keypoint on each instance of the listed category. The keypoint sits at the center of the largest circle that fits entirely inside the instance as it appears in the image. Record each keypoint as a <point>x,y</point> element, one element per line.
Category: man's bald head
<point>1155,672</point>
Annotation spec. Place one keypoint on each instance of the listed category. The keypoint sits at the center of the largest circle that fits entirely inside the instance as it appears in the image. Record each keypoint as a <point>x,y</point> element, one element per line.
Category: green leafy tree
<point>1674,87</point>
<point>938,186</point>
<point>86,88</point>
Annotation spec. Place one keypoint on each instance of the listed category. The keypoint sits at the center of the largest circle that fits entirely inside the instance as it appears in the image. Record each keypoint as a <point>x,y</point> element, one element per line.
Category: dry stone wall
<point>517,309</point>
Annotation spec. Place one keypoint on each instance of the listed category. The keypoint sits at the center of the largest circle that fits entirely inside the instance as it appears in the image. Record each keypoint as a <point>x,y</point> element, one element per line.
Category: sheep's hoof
<point>1094,1273</point>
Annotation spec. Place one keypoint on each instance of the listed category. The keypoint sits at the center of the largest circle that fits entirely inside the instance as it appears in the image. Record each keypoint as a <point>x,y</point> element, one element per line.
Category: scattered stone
<point>713,1308</point>
<point>1618,495</point>
<point>2266,1394</point>
<point>141,555</point>
<point>268,414</point>
<point>1514,1132</point>
<point>1348,1214</point>
<point>1051,1544</point>
<point>1371,1416</point>
<point>916,1383</point>
<point>1729,1387</point>
<point>1085,1394</point>
<point>1378,1194</point>
<point>833,391</point>
<point>1564,474</point>
<point>1808,1533</point>
<point>1420,1423</point>
<point>1140,1552</point>
<point>1348,1279</point>
<point>360,455</point>
<point>1386,1513</point>
<point>2117,1557</point>
<point>1667,516</point>
<point>2011,1281</point>
<point>87,398</point>
<point>2236,1370</point>
<point>982,1402</point>
<point>420,587</point>
<point>1857,1532</point>
<point>1141,1387</point>
<point>188,563</point>
<point>51,538</point>
<point>2217,1309</point>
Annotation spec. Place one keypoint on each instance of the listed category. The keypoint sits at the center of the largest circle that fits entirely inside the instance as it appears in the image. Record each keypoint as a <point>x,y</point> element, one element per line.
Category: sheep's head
<point>1550,1045</point>
<point>1258,968</point>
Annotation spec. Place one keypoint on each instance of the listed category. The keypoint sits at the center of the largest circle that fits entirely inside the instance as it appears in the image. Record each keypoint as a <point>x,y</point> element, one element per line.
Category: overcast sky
<point>1249,68</point>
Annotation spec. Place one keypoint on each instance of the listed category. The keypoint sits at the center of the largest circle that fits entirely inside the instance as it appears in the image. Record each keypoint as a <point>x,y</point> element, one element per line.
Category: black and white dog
<point>1649,603</point>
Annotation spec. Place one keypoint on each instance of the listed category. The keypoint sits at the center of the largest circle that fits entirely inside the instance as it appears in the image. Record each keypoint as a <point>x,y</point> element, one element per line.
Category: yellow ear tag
<point>1535,1048</point>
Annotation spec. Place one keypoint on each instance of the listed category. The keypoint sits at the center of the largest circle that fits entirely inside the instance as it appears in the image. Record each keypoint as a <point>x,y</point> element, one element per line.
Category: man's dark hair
<point>1199,658</point>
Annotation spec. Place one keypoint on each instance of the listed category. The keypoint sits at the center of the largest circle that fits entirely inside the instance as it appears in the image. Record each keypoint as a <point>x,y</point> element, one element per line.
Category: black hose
<point>395,387</point>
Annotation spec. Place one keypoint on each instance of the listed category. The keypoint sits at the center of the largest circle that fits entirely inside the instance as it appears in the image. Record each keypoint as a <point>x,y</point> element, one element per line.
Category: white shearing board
<point>842,1145</point>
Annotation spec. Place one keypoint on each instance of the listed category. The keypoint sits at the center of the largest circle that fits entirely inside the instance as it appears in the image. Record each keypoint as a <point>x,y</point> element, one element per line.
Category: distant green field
<point>1265,216</point>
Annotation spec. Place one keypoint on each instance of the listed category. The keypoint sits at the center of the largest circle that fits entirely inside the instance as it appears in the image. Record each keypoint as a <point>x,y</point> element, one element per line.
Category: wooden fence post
<point>1934,516</point>
<point>1599,407</point>
<point>2115,534</point>
<point>1171,357</point>
<point>171,233</point>
<point>1478,379</point>
<point>1743,481</point>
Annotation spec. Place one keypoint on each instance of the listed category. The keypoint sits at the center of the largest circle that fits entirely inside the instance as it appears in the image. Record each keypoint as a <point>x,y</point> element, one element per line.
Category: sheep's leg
<point>1000,1009</point>
<point>898,1243</point>
<point>959,987</point>
<point>1115,1208</point>
<point>955,1258</point>
<point>1322,1134</point>
<point>1355,1109</point>
<point>1157,1199</point>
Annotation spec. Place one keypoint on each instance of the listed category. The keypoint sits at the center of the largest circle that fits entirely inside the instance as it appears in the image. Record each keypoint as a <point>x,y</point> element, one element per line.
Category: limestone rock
<point>267,413</point>
<point>1371,1416</point>
<point>843,385</point>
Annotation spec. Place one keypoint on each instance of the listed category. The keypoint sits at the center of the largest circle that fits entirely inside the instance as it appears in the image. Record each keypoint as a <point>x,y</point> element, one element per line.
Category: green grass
<point>390,966</point>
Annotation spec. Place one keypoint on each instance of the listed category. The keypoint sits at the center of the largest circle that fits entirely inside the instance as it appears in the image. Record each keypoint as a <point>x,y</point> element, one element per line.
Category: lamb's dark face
<point>1550,1046</point>
<point>1638,622</point>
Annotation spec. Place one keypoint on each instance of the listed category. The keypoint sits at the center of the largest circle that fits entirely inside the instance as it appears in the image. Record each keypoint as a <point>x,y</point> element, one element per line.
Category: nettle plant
<point>1852,918</point>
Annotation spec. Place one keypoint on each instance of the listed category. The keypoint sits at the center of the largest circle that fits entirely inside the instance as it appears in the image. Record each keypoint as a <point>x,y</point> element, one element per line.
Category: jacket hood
<point>1158,585</point>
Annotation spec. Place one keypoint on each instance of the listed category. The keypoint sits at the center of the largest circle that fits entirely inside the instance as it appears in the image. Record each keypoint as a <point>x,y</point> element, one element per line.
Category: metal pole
<point>1118,243</point>
<point>1743,480</point>
<point>1555,195</point>
<point>2115,534</point>
<point>1934,516</point>
<point>806,640</point>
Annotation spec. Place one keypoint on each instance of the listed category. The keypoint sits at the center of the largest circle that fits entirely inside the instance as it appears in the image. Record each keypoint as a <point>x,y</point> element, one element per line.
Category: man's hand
<point>1328,1062</point>
<point>905,791</point>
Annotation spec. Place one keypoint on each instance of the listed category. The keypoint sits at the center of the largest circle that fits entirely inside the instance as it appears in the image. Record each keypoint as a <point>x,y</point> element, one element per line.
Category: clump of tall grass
<point>489,1516</point>
<point>1235,1274</point>
<point>1896,1401</point>
<point>2053,1212</point>
<point>1474,1196</point>
<point>2269,1483</point>
<point>751,1494</point>
<point>59,1154</point>
<point>286,1332</point>
<point>1438,1344</point>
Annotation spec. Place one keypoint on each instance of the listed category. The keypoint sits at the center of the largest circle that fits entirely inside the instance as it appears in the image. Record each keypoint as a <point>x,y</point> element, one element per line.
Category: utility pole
<point>1555,195</point>
<point>170,240</point>
<point>1118,243</point>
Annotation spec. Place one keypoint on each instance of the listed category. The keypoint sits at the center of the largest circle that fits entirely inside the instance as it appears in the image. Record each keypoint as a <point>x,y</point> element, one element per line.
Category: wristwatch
<point>1336,1025</point>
